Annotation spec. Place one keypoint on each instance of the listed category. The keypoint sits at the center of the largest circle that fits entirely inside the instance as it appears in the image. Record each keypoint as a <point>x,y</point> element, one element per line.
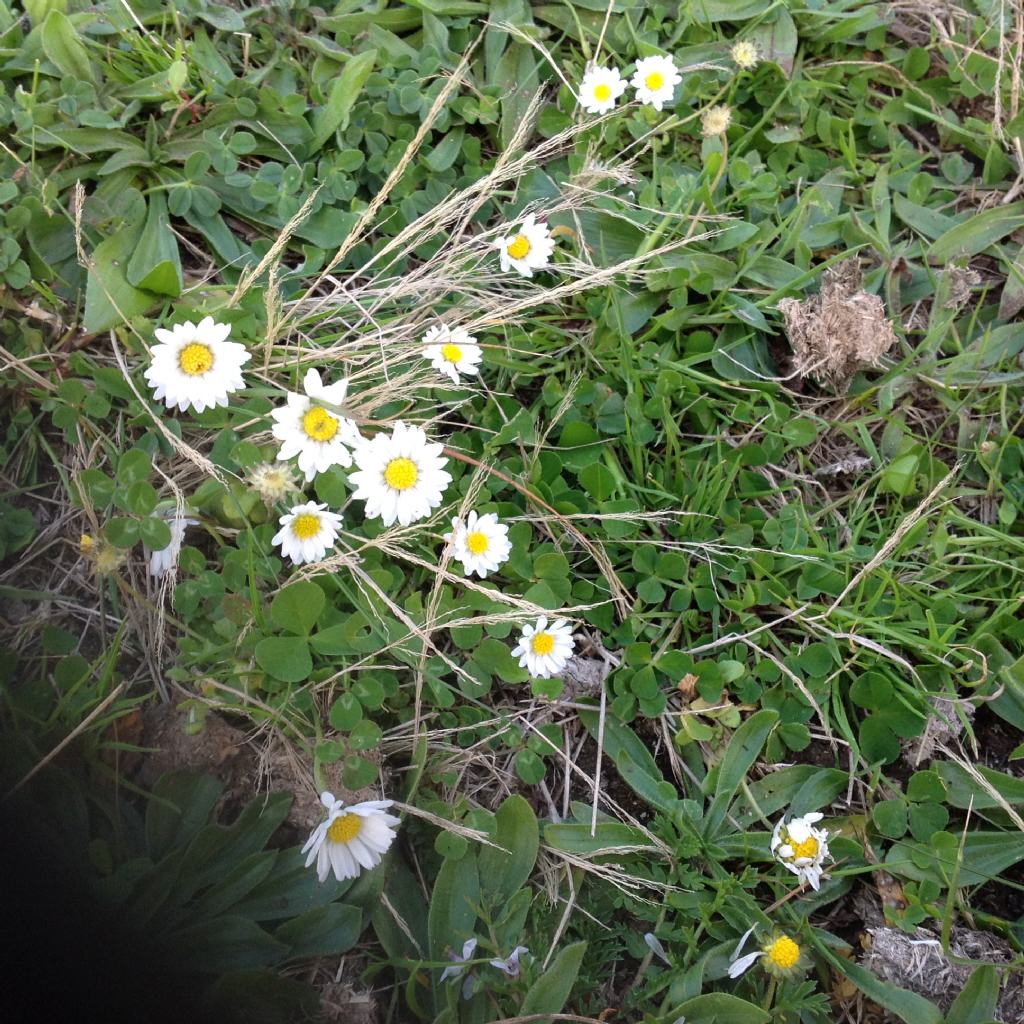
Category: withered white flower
<point>800,847</point>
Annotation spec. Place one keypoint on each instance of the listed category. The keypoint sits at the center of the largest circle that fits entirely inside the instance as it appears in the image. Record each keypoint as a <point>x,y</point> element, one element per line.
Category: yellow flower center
<point>452,353</point>
<point>783,952</point>
<point>319,424</point>
<point>808,848</point>
<point>477,542</point>
<point>654,81</point>
<point>195,359</point>
<point>345,828</point>
<point>542,643</point>
<point>602,92</point>
<point>519,247</point>
<point>401,474</point>
<point>305,526</point>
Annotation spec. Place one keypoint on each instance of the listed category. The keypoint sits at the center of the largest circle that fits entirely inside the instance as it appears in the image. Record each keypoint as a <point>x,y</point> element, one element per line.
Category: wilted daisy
<point>195,365</point>
<point>452,351</point>
<point>101,554</point>
<point>402,477</point>
<point>307,532</point>
<point>351,839</point>
<point>600,88</point>
<point>543,650</point>
<point>655,81</point>
<point>319,436</point>
<point>166,558</point>
<point>480,543</point>
<point>801,848</point>
<point>272,481</point>
<point>745,54</point>
<point>715,120</point>
<point>780,955</point>
<point>528,249</point>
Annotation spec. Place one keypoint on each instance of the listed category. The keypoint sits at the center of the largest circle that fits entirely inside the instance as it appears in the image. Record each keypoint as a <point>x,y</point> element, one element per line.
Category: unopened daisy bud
<point>273,481</point>
<point>745,54</point>
<point>715,121</point>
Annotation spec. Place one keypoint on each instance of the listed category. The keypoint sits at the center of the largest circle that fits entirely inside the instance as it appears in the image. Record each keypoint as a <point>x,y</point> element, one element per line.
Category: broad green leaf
<point>453,905</point>
<point>503,874</point>
<point>976,1003</point>
<point>721,1008</point>
<point>609,836</point>
<point>155,265</point>
<point>334,115</point>
<point>633,760</point>
<point>977,233</point>
<point>62,45</point>
<point>550,991</point>
<point>909,1006</point>
<point>290,889</point>
<point>742,752</point>
<point>37,10</point>
<point>324,931</point>
<point>704,12</point>
<point>224,944</point>
<point>109,297</point>
<point>285,657</point>
<point>296,608</point>
<point>984,856</point>
<point>966,791</point>
<point>178,808</point>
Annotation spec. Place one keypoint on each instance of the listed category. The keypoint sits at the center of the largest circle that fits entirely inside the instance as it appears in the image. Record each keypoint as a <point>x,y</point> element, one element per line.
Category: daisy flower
<point>165,559</point>
<point>195,365</point>
<point>655,81</point>
<point>480,543</point>
<point>780,955</point>
<point>600,88</point>
<point>715,121</point>
<point>351,838</point>
<point>402,477</point>
<point>452,351</point>
<point>801,848</point>
<point>745,54</point>
<point>544,650</point>
<point>527,250</point>
<point>273,482</point>
<point>319,437</point>
<point>307,532</point>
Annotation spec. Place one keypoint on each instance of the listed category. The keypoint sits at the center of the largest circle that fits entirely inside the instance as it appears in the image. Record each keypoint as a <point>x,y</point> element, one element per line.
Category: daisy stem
<point>770,995</point>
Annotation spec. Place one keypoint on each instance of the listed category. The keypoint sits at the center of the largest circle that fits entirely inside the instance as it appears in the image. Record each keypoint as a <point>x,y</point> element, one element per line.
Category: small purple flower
<point>510,965</point>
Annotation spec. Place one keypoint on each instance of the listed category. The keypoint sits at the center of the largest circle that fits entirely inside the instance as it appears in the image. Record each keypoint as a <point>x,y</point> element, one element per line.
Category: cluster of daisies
<point>355,838</point>
<point>654,84</point>
<point>401,476</point>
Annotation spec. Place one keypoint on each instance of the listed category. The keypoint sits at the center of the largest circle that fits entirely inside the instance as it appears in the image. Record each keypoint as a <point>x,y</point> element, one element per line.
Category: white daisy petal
<point>306,534</point>
<point>481,543</point>
<point>351,839</point>
<point>400,477</point>
<point>452,351</point>
<point>545,650</point>
<point>600,88</point>
<point>194,366</point>
<point>527,249</point>
<point>801,848</point>
<point>655,81</point>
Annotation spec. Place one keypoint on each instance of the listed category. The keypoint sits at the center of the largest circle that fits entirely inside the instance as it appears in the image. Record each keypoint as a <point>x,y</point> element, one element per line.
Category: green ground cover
<point>756,432</point>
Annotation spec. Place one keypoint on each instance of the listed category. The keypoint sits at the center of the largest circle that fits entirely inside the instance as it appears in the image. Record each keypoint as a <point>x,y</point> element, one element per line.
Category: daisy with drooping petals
<point>600,88</point>
<point>452,351</point>
<point>307,532</point>
<point>655,81</point>
<point>402,477</point>
<point>480,543</point>
<point>195,365</point>
<point>527,250</point>
<point>351,838</point>
<point>801,848</point>
<point>780,955</point>
<point>320,437</point>
<point>164,559</point>
<point>272,482</point>
<point>715,121</point>
<point>745,54</point>
<point>544,650</point>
